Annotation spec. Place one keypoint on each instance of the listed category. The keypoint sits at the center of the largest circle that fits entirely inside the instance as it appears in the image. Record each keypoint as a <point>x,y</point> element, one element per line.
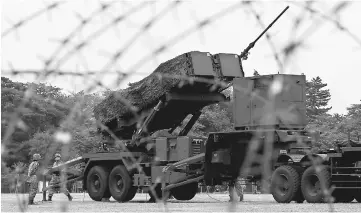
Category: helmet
<point>36,157</point>
<point>57,155</point>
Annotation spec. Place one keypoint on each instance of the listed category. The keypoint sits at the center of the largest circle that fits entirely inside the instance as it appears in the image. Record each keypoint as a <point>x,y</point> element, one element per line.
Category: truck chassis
<point>334,176</point>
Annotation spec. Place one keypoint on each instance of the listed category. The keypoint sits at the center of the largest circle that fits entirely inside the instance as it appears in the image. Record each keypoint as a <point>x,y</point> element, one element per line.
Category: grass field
<point>201,203</point>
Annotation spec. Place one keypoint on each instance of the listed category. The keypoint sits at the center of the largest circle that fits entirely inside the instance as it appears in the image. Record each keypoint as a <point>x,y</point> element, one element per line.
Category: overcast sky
<point>328,53</point>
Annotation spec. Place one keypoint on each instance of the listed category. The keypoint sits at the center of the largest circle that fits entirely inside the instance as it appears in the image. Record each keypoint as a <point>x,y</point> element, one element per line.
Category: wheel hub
<point>284,184</point>
<point>96,183</point>
<point>315,185</point>
<point>119,182</point>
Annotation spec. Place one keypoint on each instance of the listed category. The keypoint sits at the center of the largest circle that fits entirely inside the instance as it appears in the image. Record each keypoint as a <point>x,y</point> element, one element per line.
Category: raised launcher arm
<point>196,65</point>
<point>192,97</point>
<point>171,111</point>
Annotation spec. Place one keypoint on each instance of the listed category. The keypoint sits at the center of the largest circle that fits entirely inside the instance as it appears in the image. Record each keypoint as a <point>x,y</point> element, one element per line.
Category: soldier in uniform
<point>33,180</point>
<point>237,185</point>
<point>55,179</point>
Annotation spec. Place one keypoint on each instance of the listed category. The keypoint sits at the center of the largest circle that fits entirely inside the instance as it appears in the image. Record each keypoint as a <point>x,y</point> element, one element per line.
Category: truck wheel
<point>97,182</point>
<point>299,196</point>
<point>311,184</point>
<point>131,193</point>
<point>285,184</point>
<point>121,184</point>
<point>133,189</point>
<point>185,192</point>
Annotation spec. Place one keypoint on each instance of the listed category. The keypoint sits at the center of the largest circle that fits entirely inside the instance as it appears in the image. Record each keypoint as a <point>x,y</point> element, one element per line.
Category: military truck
<point>269,120</point>
<point>177,163</point>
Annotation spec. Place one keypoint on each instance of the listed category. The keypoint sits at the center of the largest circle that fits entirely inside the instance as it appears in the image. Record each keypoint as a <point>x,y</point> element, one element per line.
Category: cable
<point>213,197</point>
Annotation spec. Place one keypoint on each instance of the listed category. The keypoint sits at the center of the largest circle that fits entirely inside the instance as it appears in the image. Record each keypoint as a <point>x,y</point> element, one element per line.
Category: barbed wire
<point>336,10</point>
<point>83,23</point>
<point>196,27</point>
<point>97,33</point>
<point>53,65</point>
<point>31,17</point>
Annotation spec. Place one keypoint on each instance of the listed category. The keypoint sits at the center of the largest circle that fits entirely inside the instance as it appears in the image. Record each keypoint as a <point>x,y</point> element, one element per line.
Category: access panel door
<point>242,90</point>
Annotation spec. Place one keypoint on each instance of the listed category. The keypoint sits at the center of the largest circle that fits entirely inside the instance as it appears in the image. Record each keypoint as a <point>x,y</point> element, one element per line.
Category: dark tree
<point>354,111</point>
<point>317,98</point>
<point>38,115</point>
<point>354,120</point>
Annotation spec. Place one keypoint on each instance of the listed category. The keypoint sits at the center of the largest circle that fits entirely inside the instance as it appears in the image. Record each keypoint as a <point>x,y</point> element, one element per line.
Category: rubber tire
<point>103,174</point>
<point>131,193</point>
<point>126,193</point>
<point>294,179</point>
<point>324,175</point>
<point>299,196</point>
<point>343,196</point>
<point>133,189</point>
<point>357,195</point>
<point>185,192</point>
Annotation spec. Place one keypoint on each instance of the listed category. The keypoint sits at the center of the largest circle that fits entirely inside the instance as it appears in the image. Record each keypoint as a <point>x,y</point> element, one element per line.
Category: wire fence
<point>70,47</point>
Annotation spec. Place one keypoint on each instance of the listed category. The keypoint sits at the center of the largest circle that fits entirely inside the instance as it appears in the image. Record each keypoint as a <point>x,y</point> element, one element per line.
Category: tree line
<point>51,110</point>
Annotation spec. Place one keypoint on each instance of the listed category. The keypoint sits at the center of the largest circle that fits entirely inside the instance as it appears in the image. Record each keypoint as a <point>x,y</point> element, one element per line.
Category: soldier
<point>33,179</point>
<point>237,185</point>
<point>55,179</point>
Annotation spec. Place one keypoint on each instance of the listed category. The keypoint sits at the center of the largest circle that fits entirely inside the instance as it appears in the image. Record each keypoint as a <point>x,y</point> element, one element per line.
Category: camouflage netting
<point>115,110</point>
<point>349,143</point>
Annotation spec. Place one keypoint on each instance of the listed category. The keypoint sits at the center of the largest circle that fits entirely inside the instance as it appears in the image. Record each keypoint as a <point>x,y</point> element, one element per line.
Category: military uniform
<point>55,179</point>
<point>32,178</point>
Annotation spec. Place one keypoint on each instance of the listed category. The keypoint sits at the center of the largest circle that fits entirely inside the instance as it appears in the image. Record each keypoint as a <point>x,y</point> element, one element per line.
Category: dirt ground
<point>201,203</point>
